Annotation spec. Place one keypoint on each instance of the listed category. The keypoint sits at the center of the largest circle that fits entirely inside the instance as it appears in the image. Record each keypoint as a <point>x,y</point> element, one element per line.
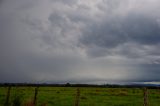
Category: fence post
<point>8,96</point>
<point>35,96</point>
<point>145,97</point>
<point>77,97</point>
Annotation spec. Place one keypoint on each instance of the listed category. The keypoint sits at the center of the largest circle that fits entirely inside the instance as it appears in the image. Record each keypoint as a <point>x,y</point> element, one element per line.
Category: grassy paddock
<point>66,96</point>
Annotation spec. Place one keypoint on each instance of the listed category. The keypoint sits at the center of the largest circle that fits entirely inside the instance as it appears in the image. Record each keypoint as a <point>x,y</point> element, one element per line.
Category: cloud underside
<point>80,41</point>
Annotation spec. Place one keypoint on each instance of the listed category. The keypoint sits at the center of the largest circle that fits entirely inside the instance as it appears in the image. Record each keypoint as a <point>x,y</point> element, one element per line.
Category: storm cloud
<point>79,41</point>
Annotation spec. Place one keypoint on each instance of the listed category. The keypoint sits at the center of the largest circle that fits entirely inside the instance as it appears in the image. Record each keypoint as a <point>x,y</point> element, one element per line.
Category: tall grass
<point>17,100</point>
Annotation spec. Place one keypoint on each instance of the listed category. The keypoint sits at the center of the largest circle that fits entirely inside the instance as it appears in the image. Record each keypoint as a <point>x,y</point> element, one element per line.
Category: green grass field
<point>65,96</point>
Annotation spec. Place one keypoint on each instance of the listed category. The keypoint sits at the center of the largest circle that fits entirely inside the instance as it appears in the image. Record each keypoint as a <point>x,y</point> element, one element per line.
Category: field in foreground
<point>66,96</point>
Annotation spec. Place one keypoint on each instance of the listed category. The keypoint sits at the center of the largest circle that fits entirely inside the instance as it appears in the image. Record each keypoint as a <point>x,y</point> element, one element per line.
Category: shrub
<point>17,100</point>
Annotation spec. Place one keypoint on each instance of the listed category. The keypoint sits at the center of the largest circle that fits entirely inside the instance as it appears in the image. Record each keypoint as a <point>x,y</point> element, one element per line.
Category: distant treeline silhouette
<point>81,85</point>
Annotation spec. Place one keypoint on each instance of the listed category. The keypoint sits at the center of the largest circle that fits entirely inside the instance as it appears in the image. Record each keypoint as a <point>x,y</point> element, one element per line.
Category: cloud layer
<point>79,41</point>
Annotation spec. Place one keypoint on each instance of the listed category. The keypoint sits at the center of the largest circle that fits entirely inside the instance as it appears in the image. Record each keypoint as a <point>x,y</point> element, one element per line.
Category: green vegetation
<point>89,96</point>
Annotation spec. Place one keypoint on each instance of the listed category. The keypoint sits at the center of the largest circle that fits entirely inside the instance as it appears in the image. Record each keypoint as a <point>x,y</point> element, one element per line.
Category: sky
<point>79,41</point>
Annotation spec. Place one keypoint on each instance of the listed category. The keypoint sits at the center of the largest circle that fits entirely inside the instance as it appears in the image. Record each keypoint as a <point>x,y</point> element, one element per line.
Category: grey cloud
<point>68,2</point>
<point>149,72</point>
<point>107,35</point>
<point>133,28</point>
<point>142,29</point>
<point>78,41</point>
<point>57,19</point>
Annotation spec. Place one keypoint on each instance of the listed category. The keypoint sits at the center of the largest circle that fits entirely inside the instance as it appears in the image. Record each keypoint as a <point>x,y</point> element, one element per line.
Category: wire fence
<point>72,96</point>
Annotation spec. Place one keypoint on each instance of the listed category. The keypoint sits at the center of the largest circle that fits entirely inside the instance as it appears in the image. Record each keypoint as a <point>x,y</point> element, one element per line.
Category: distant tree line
<point>80,85</point>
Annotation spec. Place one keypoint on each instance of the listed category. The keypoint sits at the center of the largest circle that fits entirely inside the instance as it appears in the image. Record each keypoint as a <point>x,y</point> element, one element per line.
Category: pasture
<point>83,96</point>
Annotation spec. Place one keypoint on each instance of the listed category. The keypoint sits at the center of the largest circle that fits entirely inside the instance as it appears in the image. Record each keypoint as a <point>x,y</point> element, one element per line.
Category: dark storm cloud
<point>1,1</point>
<point>107,35</point>
<point>142,29</point>
<point>80,41</point>
<point>150,72</point>
<point>134,28</point>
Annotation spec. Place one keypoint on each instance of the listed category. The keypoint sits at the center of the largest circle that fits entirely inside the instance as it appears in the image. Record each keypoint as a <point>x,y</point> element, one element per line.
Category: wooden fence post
<point>7,96</point>
<point>77,97</point>
<point>145,97</point>
<point>35,96</point>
